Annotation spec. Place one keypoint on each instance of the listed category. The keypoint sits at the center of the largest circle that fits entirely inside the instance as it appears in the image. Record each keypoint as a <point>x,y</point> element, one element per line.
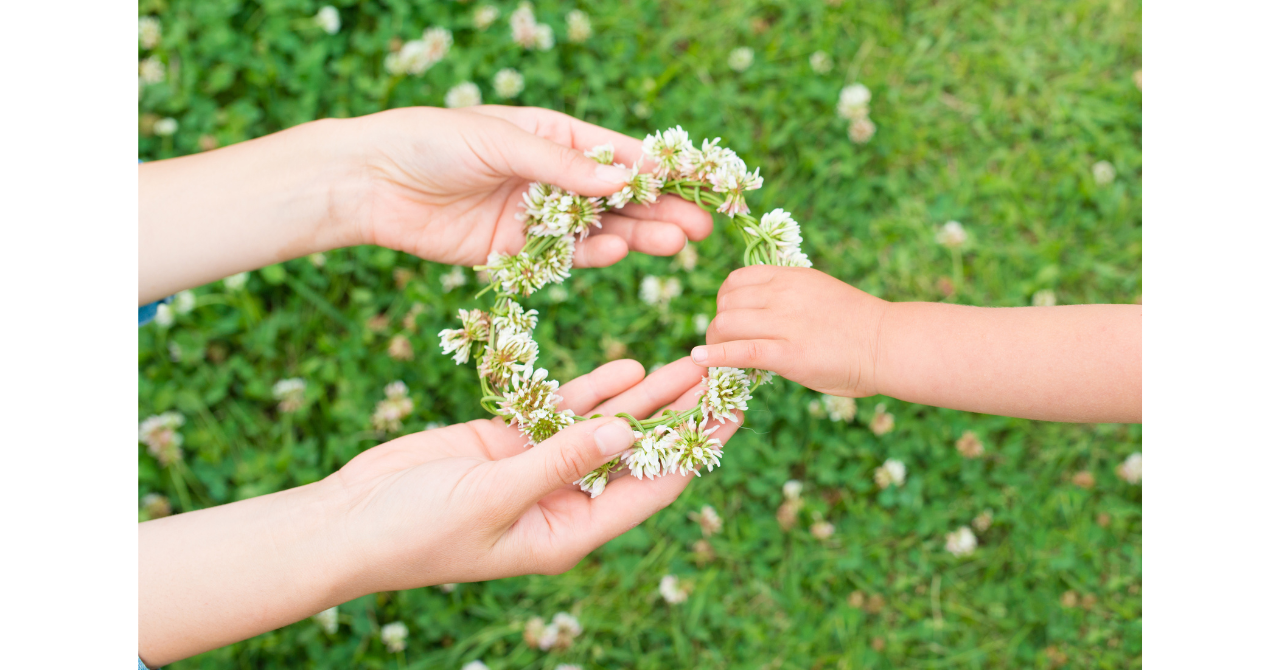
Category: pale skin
<point>464,503</point>
<point>1078,363</point>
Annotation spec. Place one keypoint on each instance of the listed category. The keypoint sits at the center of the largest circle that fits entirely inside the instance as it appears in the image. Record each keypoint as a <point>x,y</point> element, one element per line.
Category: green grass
<point>989,113</point>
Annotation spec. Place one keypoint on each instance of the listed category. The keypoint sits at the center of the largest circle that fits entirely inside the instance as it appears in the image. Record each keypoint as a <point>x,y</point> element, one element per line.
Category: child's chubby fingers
<point>772,355</point>
<point>749,324</point>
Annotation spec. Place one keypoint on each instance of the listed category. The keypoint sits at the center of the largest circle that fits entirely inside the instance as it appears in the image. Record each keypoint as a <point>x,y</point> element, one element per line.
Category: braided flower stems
<point>555,220</point>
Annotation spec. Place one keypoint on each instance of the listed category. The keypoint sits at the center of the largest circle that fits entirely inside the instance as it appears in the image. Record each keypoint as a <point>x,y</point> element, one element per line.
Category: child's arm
<point>1073,363</point>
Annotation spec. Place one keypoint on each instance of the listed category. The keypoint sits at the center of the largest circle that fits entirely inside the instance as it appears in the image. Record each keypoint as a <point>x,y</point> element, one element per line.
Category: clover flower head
<point>892,473</point>
<point>523,274</point>
<point>698,164</point>
<point>649,455</point>
<point>148,32</point>
<point>184,302</point>
<point>666,149</point>
<point>758,377</point>
<point>820,61</point>
<point>687,258</point>
<point>151,70</point>
<point>962,541</point>
<point>822,530</point>
<point>1104,173</point>
<point>329,20</point>
<point>862,130</point>
<point>543,38</point>
<point>418,56</point>
<point>511,316</point>
<point>1044,298</point>
<point>290,393</point>
<point>733,180</point>
<point>982,522</point>
<point>741,58</point>
<point>781,231</point>
<point>437,41</point>
<point>969,445</point>
<point>328,620</point>
<point>560,633</point>
<point>881,421</point>
<point>602,154</point>
<point>475,328</point>
<point>708,520</point>
<point>236,282</point>
<point>454,278</point>
<point>853,102</point>
<point>394,635</point>
<point>579,26</point>
<point>641,188</point>
<point>160,434</point>
<point>396,390</point>
<point>531,403</point>
<point>838,408</point>
<point>465,94</point>
<point>484,16</point>
<point>693,448</point>
<point>672,590</point>
<point>156,506</point>
<point>595,481</point>
<point>508,83</point>
<point>508,356</point>
<point>524,26</point>
<point>659,292</point>
<point>475,665</point>
<point>952,235</point>
<point>727,389</point>
<point>389,413</point>
<point>166,127</point>
<point>1131,469</point>
<point>791,489</point>
<point>561,213</point>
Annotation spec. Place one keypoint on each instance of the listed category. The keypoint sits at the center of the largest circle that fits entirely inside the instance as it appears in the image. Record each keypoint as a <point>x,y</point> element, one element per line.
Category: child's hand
<point>802,324</point>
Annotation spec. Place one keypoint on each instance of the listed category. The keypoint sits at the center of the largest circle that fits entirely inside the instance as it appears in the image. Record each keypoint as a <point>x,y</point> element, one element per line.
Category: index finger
<point>566,130</point>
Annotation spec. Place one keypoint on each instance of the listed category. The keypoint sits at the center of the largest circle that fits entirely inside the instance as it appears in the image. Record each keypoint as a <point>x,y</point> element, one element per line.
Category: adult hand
<point>446,185</point>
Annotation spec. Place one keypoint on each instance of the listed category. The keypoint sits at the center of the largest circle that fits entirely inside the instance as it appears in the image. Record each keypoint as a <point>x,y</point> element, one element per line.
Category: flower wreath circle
<point>715,178</point>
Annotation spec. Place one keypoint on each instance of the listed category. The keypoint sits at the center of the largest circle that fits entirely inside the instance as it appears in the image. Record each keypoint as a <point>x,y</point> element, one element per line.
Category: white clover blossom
<point>511,316</point>
<point>741,58</point>
<point>475,328</point>
<point>692,448</point>
<point>508,83</point>
<point>148,32</point>
<point>602,154</point>
<point>531,405</point>
<point>484,16</point>
<point>165,127</point>
<point>508,356</point>
<point>184,302</point>
<point>524,26</point>
<point>687,258</point>
<point>952,235</point>
<point>543,38</point>
<point>642,110</point>
<point>328,620</point>
<point>1104,173</point>
<point>780,231</point>
<point>160,434</point>
<point>727,389</point>
<point>962,541</point>
<point>560,633</point>
<point>667,149</point>
<point>820,61</point>
<point>389,413</point>
<point>289,392</point>
<point>1131,469</point>
<point>465,94</point>
<point>733,180</point>
<point>659,292</point>
<point>579,26</point>
<point>475,665</point>
<point>1044,298</point>
<point>791,489</point>
<point>417,56</point>
<point>759,377</point>
<point>839,408</point>
<point>699,164</point>
<point>708,520</point>
<point>236,282</point>
<point>452,279</point>
<point>394,636</point>
<point>853,102</point>
<point>650,453</point>
<point>982,522</point>
<point>595,481</point>
<point>672,590</point>
<point>317,259</point>
<point>641,188</point>
<point>861,130</point>
<point>329,20</point>
<point>151,70</point>
<point>164,315</point>
<point>881,420</point>
<point>822,530</point>
<point>892,473</point>
<point>561,213</point>
<point>523,274</point>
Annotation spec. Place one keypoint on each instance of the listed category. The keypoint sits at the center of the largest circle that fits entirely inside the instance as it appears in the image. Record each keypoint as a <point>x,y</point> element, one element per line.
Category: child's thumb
<point>538,159</point>
<point>568,456</point>
<point>759,354</point>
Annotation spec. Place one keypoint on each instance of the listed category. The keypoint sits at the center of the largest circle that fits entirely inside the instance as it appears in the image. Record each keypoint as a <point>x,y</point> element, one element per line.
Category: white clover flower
<point>781,231</point>
<point>389,413</point>
<point>475,328</point>
<point>579,26</point>
<point>595,481</point>
<point>1044,298</point>
<point>1131,469</point>
<point>602,154</point>
<point>862,130</point>
<point>839,408</point>
<point>236,282</point>
<point>952,235</point>
<point>164,315</point>
<point>733,180</point>
<point>156,506</point>
<point>328,620</point>
<point>672,590</point>
<point>822,530</point>
<point>727,389</point>
<point>418,56</point>
<point>667,150</point>
<point>475,665</point>
<point>511,316</point>
<point>465,94</point>
<point>523,274</point>
<point>1104,173</point>
<point>148,32</point>
<point>641,110</point>
<point>650,290</point>
<point>558,294</point>
<point>531,404</point>
<point>893,472</point>
<point>740,59</point>
<point>759,377</point>
<point>290,393</point>
<point>508,356</point>
<point>394,635</point>
<point>881,421</point>
<point>791,489</point>
<point>151,70</point>
<point>687,258</point>
<point>543,38</point>
<point>820,62</point>
<point>165,127</point>
<point>484,16</point>
<point>969,445</point>
<point>508,83</point>
<point>982,522</point>
<point>693,448</point>
<point>160,434</point>
<point>700,323</point>
<point>650,453</point>
<point>396,390</point>
<point>853,102</point>
<point>1137,78</point>
<point>437,41</point>
<point>641,188</point>
<point>317,259</point>
<point>329,20</point>
<point>708,520</point>
<point>524,26</point>
<point>175,352</point>
<point>550,211</point>
<point>447,588</point>
<point>699,164</point>
<point>454,278</point>
<point>184,302</point>
<point>962,541</point>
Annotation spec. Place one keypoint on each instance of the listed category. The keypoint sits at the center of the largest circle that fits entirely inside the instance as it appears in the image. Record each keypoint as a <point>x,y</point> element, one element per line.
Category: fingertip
<point>700,354</point>
<point>600,251</point>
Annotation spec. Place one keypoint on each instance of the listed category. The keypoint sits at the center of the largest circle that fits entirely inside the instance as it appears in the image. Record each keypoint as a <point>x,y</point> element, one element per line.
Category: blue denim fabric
<point>148,312</point>
<point>141,666</point>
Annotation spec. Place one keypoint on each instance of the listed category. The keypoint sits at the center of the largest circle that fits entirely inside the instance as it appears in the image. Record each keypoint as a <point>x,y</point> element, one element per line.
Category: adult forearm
<point>216,576</point>
<point>207,216</point>
<point>1076,363</point>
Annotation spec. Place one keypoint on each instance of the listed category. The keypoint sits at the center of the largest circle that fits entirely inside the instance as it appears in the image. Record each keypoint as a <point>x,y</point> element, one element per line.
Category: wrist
<point>874,379</point>
<point>335,181</point>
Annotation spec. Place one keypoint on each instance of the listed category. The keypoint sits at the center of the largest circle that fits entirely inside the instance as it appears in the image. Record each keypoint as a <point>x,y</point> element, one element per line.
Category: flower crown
<point>555,220</point>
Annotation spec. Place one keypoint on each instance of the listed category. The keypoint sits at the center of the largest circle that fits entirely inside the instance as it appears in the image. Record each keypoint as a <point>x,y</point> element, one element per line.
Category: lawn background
<point>988,113</point>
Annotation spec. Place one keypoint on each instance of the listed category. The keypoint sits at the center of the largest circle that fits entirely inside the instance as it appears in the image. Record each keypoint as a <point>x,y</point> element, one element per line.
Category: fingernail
<point>613,437</point>
<point>699,354</point>
<point>611,174</point>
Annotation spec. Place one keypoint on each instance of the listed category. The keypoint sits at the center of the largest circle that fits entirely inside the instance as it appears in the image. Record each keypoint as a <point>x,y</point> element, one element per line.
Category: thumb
<point>760,354</point>
<point>568,456</point>
<point>538,159</point>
